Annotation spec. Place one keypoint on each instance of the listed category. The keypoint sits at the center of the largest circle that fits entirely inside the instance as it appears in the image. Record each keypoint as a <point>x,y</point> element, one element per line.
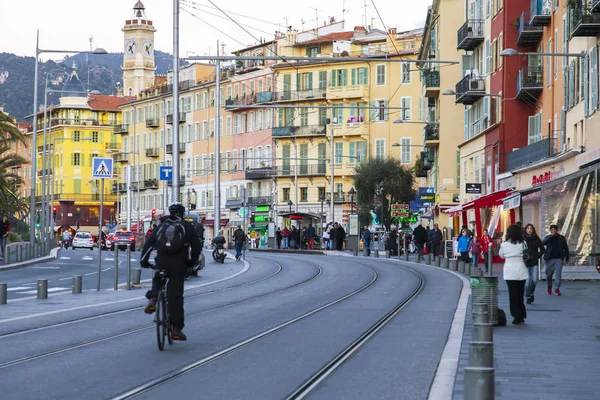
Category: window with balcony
<point>322,79</point>
<point>339,77</point>
<point>380,75</point>
<point>337,114</point>
<point>304,116</point>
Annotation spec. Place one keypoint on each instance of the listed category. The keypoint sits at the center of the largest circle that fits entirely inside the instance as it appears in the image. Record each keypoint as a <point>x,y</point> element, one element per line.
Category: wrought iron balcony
<point>541,14</point>
<point>170,118</point>
<point>41,172</point>
<point>120,157</point>
<point>338,197</point>
<point>470,35</point>
<point>530,83</point>
<point>152,152</point>
<point>585,20</point>
<point>432,83</point>
<point>303,170</point>
<point>529,154</point>
<point>169,148</point>
<point>121,129</point>
<point>152,123</point>
<point>470,89</point>
<point>112,146</point>
<point>304,130</point>
<point>347,92</point>
<point>259,173</point>
<point>529,35</point>
<point>119,188</point>
<point>432,135</point>
<point>150,184</point>
<point>260,201</point>
<point>300,95</point>
<point>49,147</point>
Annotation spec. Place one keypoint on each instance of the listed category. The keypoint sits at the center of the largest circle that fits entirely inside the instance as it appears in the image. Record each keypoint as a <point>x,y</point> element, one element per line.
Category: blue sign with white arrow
<point>166,173</point>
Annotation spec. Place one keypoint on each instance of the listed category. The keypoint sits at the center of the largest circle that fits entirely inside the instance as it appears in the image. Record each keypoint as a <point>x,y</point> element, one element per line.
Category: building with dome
<point>82,126</point>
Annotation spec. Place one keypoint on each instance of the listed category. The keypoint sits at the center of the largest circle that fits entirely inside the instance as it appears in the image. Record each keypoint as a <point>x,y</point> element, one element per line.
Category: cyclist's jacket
<point>188,256</point>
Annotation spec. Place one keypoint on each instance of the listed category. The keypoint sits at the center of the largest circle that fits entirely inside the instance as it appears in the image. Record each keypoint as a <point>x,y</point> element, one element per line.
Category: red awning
<point>455,211</point>
<point>211,222</point>
<point>489,200</point>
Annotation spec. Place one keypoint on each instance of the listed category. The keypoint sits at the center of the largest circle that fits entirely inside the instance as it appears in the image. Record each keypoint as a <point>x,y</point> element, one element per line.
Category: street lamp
<point>512,52</point>
<point>352,192</point>
<point>290,203</point>
<point>39,51</point>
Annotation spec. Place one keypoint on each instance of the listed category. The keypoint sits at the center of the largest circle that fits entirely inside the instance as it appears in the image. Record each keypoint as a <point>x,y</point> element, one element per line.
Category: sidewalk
<point>554,355</point>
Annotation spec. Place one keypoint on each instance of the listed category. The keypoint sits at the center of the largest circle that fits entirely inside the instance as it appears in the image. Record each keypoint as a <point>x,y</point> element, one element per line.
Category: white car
<point>84,240</point>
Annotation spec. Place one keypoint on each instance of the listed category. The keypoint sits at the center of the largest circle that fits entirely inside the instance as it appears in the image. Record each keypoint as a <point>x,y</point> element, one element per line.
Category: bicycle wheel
<point>160,320</point>
<point>168,324</point>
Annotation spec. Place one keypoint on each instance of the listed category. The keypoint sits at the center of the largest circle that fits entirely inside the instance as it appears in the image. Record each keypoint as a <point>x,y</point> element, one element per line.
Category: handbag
<point>527,258</point>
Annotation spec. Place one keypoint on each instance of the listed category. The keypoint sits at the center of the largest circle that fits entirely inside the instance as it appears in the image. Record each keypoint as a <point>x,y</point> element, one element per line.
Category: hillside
<point>16,75</point>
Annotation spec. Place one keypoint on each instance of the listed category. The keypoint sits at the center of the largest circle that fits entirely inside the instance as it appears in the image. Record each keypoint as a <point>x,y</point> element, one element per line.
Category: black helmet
<point>177,209</point>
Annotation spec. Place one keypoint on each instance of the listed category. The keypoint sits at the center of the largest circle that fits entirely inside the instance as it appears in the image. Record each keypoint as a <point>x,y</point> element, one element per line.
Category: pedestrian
<point>310,234</point>
<point>326,239</point>
<point>515,271</point>
<point>278,237</point>
<point>4,231</point>
<point>469,232</point>
<point>393,242</point>
<point>486,244</point>
<point>475,249</point>
<point>367,240</point>
<point>285,237</point>
<point>239,238</point>
<point>294,237</point>
<point>420,238</point>
<point>332,236</point>
<point>463,245</point>
<point>533,253</point>
<point>340,235</point>
<point>66,238</point>
<point>436,240</point>
<point>555,255</point>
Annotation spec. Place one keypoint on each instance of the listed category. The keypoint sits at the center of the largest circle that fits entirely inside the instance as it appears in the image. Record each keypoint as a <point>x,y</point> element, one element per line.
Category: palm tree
<point>10,200</point>
<point>9,130</point>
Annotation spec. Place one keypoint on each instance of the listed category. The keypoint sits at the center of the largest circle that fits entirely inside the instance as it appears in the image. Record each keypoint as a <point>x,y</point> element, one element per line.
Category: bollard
<point>482,332</point>
<point>355,252</point>
<point>137,276</point>
<point>428,258</point>
<point>77,284</point>
<point>481,317</point>
<point>377,252</point>
<point>129,268</point>
<point>3,293</point>
<point>116,284</point>
<point>490,262</point>
<point>438,261</point>
<point>405,254</point>
<point>446,263</point>
<point>461,266</point>
<point>387,254</point>
<point>42,289</point>
<point>480,308</point>
<point>481,354</point>
<point>20,253</point>
<point>455,265</point>
<point>418,258</point>
<point>479,383</point>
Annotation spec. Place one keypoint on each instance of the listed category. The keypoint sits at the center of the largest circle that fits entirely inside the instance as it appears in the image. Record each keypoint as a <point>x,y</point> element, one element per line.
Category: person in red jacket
<point>285,237</point>
<point>486,242</point>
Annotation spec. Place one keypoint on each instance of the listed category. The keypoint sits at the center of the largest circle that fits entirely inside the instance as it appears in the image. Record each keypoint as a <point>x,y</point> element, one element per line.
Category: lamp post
<point>352,192</point>
<point>322,200</point>
<point>290,203</point>
<point>39,51</point>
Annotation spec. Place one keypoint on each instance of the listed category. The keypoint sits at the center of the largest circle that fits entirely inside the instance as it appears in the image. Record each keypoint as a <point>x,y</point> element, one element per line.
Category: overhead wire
<point>215,28</point>
<point>233,13</point>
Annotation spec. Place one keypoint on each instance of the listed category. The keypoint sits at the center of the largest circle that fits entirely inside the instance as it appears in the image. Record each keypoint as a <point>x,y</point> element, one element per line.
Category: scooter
<point>193,271</point>
<point>219,251</point>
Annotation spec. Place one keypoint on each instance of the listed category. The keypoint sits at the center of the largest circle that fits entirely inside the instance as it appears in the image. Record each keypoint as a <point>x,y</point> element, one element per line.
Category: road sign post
<point>102,168</point>
<point>166,172</point>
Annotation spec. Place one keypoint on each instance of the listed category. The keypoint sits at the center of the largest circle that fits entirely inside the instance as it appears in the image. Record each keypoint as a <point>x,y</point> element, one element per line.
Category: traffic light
<point>153,211</point>
<point>54,210</point>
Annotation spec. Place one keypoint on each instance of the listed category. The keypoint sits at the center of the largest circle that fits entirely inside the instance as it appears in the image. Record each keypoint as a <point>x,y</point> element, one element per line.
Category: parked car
<point>83,240</point>
<point>121,240</point>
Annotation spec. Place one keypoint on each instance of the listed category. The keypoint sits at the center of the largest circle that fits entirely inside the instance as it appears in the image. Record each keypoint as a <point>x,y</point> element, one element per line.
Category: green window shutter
<point>310,80</point>
<point>344,77</point>
<point>584,78</point>
<point>297,82</point>
<point>386,111</point>
<point>280,117</point>
<point>372,111</point>
<point>353,77</point>
<point>307,52</point>
<point>333,78</point>
<point>572,84</point>
<point>594,75</point>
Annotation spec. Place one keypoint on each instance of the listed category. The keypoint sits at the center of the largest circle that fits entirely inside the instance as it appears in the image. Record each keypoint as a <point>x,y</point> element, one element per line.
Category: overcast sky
<point>67,24</point>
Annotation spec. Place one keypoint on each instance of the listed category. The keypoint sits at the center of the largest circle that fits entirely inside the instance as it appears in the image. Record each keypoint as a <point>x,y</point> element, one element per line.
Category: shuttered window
<point>594,79</point>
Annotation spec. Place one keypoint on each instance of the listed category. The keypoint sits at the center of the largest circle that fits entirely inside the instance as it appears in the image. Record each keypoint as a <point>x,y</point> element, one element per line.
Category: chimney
<point>359,32</point>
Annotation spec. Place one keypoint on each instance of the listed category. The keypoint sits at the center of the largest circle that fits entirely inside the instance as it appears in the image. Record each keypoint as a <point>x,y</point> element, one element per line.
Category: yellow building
<point>80,128</point>
<point>359,103</point>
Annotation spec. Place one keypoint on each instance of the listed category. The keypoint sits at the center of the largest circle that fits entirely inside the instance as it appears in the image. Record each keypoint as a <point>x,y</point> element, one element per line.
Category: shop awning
<point>489,200</point>
<point>512,201</point>
<point>455,211</point>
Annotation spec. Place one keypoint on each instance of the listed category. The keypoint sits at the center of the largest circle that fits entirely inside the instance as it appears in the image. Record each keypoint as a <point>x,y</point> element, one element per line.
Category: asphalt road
<point>104,357</point>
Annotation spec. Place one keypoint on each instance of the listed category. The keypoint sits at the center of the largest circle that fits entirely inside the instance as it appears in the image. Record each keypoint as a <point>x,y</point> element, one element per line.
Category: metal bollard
<point>438,261</point>
<point>446,263</point>
<point>137,276</point>
<point>455,265</point>
<point>116,284</point>
<point>481,354</point>
<point>129,268</point>
<point>377,253</point>
<point>355,252</point>
<point>405,254</point>
<point>480,308</point>
<point>428,258</point>
<point>19,253</point>
<point>3,293</point>
<point>387,254</point>
<point>479,383</point>
<point>418,258</point>
<point>490,262</point>
<point>481,317</point>
<point>482,332</point>
<point>77,284</point>
<point>42,288</point>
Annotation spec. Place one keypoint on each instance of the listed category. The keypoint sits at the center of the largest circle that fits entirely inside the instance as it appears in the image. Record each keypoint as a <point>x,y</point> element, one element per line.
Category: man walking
<point>420,237</point>
<point>310,235</point>
<point>557,253</point>
<point>367,241</point>
<point>436,240</point>
<point>239,237</point>
<point>4,230</point>
<point>278,237</point>
<point>285,237</point>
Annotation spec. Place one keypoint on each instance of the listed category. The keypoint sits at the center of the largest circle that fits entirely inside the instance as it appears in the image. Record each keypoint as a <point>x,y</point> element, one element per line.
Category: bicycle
<point>162,317</point>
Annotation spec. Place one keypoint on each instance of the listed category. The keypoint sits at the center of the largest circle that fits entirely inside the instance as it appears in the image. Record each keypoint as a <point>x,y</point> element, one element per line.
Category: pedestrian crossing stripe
<point>102,170</point>
<point>50,290</point>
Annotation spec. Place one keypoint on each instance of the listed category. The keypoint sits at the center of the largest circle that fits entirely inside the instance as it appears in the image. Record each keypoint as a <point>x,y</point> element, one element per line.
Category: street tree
<point>380,183</point>
<point>9,130</point>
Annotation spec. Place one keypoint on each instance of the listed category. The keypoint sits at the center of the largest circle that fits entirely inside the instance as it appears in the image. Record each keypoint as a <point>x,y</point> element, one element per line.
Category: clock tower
<point>138,52</point>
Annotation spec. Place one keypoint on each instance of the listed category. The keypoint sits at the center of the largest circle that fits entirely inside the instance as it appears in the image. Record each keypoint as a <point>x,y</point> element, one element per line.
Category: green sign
<point>261,218</point>
<point>262,209</point>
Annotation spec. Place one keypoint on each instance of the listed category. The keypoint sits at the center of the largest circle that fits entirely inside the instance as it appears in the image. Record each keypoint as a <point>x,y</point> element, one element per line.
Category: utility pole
<point>332,183</point>
<point>175,119</point>
<point>296,175</point>
<point>217,219</point>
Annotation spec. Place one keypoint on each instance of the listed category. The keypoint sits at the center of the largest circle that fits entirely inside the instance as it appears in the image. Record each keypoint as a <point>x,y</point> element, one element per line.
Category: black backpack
<point>170,236</point>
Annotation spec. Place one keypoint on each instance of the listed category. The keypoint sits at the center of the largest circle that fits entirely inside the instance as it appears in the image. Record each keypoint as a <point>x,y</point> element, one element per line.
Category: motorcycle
<point>193,271</point>
<point>66,243</point>
<point>219,251</point>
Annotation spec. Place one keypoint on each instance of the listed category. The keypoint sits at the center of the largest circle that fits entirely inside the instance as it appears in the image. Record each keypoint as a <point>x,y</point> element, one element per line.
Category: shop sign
<point>296,217</point>
<point>512,202</point>
<point>262,209</point>
<point>473,188</point>
<point>423,190</point>
<point>261,218</point>
<point>426,197</point>
<point>507,183</point>
<point>547,176</point>
<point>588,157</point>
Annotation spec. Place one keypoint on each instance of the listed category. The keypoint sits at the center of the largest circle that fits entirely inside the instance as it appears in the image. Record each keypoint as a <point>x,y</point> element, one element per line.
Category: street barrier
<point>428,258</point>
<point>3,293</point>
<point>484,290</point>
<point>461,266</point>
<point>376,251</point>
<point>42,289</point>
<point>418,258</point>
<point>129,268</point>
<point>438,261</point>
<point>77,282</point>
<point>387,254</point>
<point>137,276</point>
<point>479,374</point>
<point>454,266</point>
<point>446,263</point>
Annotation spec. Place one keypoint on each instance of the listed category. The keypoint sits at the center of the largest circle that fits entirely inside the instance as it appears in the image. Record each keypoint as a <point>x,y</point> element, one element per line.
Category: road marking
<point>91,273</point>
<point>11,289</point>
<point>87,258</point>
<point>45,267</point>
<point>67,278</point>
<point>106,269</point>
<point>109,259</point>
<point>65,258</point>
<point>50,290</point>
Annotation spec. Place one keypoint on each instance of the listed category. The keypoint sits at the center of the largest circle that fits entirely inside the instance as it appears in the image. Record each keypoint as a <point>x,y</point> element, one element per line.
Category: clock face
<point>130,48</point>
<point>147,48</point>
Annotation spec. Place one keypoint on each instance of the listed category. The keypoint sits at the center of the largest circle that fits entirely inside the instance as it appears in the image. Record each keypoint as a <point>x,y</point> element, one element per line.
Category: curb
<point>53,255</point>
<point>311,252</point>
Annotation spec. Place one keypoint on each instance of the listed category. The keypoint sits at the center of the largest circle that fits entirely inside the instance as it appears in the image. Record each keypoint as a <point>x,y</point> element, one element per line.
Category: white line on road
<point>67,278</point>
<point>12,289</point>
<point>87,258</point>
<point>65,258</point>
<point>45,267</point>
<point>91,273</point>
<point>54,289</point>
<point>106,269</point>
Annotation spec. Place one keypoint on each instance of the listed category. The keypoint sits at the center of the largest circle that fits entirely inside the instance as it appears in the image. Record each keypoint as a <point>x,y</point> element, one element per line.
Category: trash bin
<point>484,290</point>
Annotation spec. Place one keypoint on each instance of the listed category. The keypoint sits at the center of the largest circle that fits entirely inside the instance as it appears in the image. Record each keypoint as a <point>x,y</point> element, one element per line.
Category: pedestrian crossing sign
<point>102,167</point>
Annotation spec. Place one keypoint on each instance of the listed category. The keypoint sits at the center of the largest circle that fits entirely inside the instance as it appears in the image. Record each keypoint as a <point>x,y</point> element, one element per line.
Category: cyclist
<point>175,263</point>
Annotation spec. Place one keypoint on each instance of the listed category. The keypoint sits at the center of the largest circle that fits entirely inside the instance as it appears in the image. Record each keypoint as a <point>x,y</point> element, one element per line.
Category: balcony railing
<point>112,146</point>
<point>530,83</point>
<point>529,34</point>
<point>120,157</point>
<point>181,181</point>
<point>41,172</point>
<point>303,170</point>
<point>259,173</point>
<point>151,183</point>
<point>347,92</point>
<point>260,200</point>
<point>152,152</point>
<point>84,197</point>
<point>169,148</point>
<point>432,79</point>
<point>152,123</point>
<point>170,118</point>
<point>529,154</point>
<point>432,135</point>
<point>49,147</point>
<point>470,35</point>
<point>304,130</point>
<point>338,197</point>
<point>121,129</point>
<point>470,89</point>
<point>541,14</point>
<point>299,95</point>
<point>585,20</point>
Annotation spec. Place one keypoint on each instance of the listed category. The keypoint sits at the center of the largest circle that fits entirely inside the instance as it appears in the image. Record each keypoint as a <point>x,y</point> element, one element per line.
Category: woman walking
<point>515,272</point>
<point>535,251</point>
<point>475,249</point>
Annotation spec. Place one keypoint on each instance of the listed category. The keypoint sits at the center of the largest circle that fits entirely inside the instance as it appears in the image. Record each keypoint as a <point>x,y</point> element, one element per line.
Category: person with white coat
<point>515,272</point>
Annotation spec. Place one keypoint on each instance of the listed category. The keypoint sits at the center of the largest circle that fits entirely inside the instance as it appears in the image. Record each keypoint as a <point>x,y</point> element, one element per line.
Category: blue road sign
<point>166,173</point>
<point>102,167</point>
<point>416,206</point>
<point>425,190</point>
